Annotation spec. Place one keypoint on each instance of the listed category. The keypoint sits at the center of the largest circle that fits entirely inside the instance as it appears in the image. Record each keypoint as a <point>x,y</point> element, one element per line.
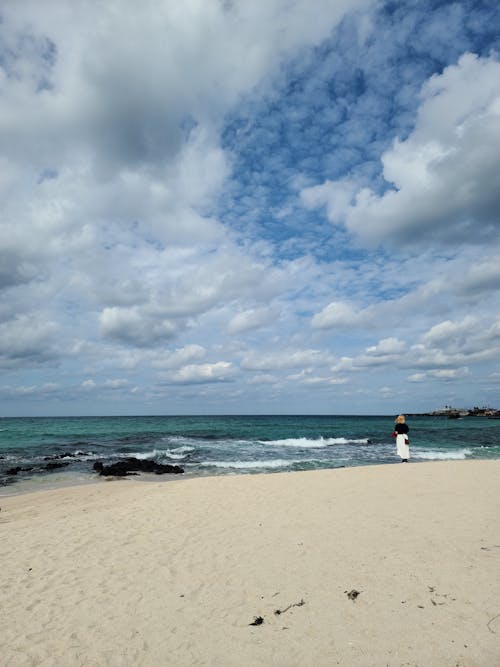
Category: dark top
<point>401,428</point>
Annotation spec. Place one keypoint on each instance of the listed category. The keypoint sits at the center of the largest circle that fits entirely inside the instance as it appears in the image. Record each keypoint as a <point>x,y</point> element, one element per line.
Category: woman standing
<point>401,430</point>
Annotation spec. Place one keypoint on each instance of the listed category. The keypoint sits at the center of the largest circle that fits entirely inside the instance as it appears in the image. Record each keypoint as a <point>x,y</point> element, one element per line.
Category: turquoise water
<point>225,445</point>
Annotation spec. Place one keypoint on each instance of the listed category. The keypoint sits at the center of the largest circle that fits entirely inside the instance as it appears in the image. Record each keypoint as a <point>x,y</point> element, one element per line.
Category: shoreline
<point>61,452</point>
<point>152,573</point>
<point>41,482</point>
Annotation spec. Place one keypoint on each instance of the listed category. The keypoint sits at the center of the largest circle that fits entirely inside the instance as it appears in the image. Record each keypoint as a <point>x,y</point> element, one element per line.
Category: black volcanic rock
<point>55,464</point>
<point>131,465</point>
<point>14,471</point>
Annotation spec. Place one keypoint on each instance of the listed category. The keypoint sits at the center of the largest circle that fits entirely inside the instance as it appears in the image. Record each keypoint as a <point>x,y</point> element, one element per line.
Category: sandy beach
<point>152,574</point>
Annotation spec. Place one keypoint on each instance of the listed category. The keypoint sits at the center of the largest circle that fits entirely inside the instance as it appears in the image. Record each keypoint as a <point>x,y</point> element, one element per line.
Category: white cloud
<point>41,392</point>
<point>179,357</point>
<point>144,90</point>
<point>451,333</point>
<point>28,340</point>
<point>122,139</point>
<point>443,177</point>
<point>288,358</point>
<point>160,175</point>
<point>444,374</point>
<point>452,344</point>
<point>337,197</point>
<point>137,327</point>
<point>307,377</point>
<point>254,318</point>
<point>386,347</point>
<point>338,314</point>
<point>481,277</point>
<point>220,371</point>
<point>389,351</point>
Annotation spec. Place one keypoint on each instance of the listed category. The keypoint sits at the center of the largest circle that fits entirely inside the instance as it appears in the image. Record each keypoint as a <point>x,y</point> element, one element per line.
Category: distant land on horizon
<point>454,413</point>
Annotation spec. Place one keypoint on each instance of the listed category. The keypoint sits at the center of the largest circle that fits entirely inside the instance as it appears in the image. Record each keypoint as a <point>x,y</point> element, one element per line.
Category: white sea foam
<point>306,443</point>
<point>83,456</point>
<point>179,452</point>
<point>444,455</point>
<point>176,453</point>
<point>275,463</point>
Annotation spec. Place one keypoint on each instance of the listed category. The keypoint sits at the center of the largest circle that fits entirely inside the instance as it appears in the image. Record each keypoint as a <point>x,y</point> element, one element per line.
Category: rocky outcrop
<point>48,466</point>
<point>132,465</point>
<point>55,464</point>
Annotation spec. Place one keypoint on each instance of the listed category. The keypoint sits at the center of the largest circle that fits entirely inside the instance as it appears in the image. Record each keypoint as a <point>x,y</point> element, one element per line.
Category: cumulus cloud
<point>445,351</point>
<point>179,357</point>
<point>220,371</point>
<point>108,135</point>
<point>443,178</point>
<point>137,327</point>
<point>482,277</point>
<point>132,100</point>
<point>253,318</point>
<point>453,344</point>
<point>288,358</point>
<point>388,351</point>
<point>450,333</point>
<point>338,314</point>
<point>28,340</point>
<point>190,285</point>
<point>164,174</point>
<point>444,374</point>
<point>387,346</point>
<point>336,196</point>
<point>307,377</point>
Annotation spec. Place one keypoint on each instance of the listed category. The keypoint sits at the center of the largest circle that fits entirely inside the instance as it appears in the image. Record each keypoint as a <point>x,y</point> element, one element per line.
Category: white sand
<point>129,573</point>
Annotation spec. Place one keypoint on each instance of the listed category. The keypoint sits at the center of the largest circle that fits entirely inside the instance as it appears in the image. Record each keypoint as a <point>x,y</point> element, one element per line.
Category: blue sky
<point>233,207</point>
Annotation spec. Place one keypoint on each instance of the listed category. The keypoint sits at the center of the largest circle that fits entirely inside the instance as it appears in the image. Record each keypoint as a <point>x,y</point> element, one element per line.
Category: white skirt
<point>402,448</point>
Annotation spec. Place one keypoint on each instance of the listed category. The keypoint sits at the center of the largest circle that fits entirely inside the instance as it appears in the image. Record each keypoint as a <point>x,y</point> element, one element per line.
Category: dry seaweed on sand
<point>294,604</point>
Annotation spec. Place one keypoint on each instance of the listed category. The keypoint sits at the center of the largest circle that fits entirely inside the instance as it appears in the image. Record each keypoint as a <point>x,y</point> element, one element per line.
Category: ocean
<point>58,451</point>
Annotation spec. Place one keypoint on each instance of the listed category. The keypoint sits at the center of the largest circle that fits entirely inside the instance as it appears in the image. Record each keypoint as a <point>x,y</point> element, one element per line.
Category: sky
<point>249,207</point>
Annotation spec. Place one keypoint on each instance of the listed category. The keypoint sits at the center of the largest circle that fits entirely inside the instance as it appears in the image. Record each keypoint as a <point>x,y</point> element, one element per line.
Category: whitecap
<point>306,443</point>
<point>175,453</point>
<point>275,463</point>
<point>83,456</point>
<point>179,452</point>
<point>444,455</point>
<point>143,456</point>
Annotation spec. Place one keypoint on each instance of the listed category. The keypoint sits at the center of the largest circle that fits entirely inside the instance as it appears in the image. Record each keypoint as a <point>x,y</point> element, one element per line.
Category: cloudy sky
<point>249,206</point>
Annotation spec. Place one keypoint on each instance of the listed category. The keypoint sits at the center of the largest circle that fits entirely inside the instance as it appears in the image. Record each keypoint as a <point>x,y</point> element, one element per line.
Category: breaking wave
<point>275,463</point>
<point>306,443</point>
<point>176,453</point>
<point>435,455</point>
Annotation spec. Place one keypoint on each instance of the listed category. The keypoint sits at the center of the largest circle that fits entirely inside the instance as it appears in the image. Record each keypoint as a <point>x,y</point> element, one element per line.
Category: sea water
<point>220,445</point>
